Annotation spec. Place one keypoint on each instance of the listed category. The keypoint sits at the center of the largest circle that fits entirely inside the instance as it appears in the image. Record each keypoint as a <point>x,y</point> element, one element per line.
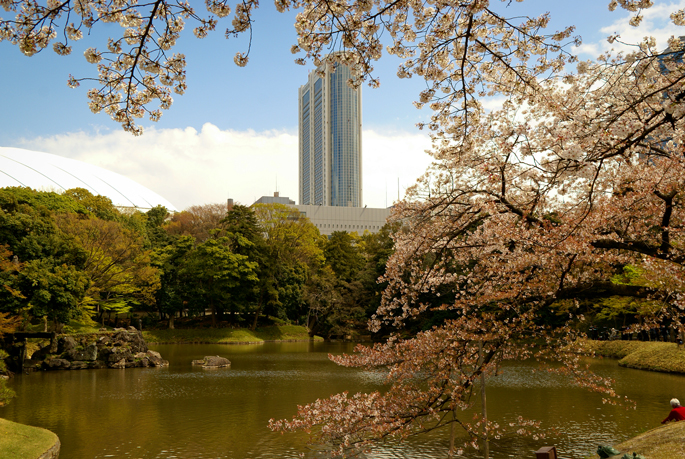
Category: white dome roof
<point>43,171</point>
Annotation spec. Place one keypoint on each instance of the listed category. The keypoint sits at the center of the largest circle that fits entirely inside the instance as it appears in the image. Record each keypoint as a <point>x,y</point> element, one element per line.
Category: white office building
<point>330,140</point>
<point>329,219</point>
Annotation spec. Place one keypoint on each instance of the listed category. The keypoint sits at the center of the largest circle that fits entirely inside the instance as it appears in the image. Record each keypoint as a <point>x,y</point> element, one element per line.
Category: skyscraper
<point>330,137</point>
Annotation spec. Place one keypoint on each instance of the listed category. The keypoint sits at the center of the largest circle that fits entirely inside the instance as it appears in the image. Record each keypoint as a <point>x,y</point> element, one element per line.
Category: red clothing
<point>676,414</point>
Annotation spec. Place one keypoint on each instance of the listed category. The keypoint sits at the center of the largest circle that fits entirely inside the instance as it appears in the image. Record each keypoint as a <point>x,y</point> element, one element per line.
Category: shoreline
<point>656,356</point>
<point>228,343</point>
<point>267,334</point>
<point>663,442</point>
<point>35,442</point>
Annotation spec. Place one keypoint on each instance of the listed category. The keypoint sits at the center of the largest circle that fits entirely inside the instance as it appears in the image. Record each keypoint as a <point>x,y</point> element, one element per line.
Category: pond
<point>186,412</point>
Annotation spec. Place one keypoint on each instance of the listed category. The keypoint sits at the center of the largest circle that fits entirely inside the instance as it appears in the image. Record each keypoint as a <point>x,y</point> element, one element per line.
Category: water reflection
<point>187,412</point>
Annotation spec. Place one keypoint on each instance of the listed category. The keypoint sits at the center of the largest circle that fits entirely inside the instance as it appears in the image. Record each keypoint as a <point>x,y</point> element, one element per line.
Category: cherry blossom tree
<point>526,210</point>
<point>538,205</point>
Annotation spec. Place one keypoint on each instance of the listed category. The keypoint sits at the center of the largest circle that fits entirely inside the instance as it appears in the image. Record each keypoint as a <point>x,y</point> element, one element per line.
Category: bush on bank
<point>227,335</point>
<point>642,355</point>
<point>6,394</point>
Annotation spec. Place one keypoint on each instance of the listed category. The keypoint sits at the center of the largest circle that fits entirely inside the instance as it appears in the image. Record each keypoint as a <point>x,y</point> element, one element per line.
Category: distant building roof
<point>47,172</point>
<point>275,199</point>
<point>329,219</point>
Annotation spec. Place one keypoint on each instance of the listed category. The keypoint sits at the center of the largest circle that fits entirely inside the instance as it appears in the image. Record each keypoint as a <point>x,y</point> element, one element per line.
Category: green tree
<point>77,252</point>
<point>55,292</point>
<point>51,281</point>
<point>217,276</point>
<point>118,268</point>
<point>344,296</point>
<point>247,238</point>
<point>324,299</point>
<point>342,255</point>
<point>376,248</point>
<point>8,323</point>
<point>11,198</point>
<point>157,236</point>
<point>6,394</point>
<point>335,307</point>
<point>294,253</point>
<point>99,206</point>
<point>175,285</point>
<point>10,296</point>
<point>9,268</point>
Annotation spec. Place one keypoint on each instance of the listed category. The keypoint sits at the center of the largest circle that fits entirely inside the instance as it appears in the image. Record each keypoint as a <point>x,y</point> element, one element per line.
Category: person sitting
<point>677,413</point>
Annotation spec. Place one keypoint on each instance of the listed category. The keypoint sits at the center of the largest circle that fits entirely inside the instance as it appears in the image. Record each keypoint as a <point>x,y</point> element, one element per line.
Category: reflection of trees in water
<point>188,412</point>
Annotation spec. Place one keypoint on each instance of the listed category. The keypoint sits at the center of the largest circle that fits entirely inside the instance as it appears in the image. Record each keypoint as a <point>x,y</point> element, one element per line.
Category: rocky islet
<point>123,348</point>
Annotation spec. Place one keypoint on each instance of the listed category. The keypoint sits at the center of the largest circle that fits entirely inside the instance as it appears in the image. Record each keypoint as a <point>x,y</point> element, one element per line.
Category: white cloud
<point>389,158</point>
<point>188,167</point>
<point>656,23</point>
<point>492,103</point>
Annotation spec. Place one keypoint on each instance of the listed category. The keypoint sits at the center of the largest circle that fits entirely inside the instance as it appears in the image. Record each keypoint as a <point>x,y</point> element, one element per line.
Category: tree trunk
<point>452,434</point>
<point>486,445</point>
<point>259,311</point>
<point>171,321</point>
<point>213,309</point>
<point>312,323</point>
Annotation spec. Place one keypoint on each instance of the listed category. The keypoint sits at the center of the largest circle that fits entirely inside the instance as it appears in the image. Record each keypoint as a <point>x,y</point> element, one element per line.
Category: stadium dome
<point>46,172</point>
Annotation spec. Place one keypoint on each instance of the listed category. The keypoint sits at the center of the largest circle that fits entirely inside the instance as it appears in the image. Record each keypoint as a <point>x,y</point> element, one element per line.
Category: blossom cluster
<point>136,69</point>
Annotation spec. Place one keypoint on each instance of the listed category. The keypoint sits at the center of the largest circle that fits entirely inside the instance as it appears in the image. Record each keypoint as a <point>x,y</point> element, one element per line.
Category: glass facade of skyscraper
<point>330,140</point>
<point>305,155</point>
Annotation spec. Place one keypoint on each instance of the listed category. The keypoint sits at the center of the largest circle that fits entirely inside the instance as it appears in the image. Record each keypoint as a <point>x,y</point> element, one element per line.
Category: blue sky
<point>234,132</point>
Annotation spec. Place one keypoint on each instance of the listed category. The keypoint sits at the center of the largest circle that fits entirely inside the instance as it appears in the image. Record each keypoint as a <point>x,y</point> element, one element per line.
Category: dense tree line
<point>75,256</point>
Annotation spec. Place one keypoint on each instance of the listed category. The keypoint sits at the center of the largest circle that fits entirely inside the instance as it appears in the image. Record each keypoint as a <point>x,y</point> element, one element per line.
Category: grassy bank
<point>18,441</point>
<point>665,442</point>
<point>643,355</point>
<point>227,335</point>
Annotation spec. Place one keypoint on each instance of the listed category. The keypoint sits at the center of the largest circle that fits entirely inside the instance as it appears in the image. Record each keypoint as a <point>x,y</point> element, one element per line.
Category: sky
<point>233,134</point>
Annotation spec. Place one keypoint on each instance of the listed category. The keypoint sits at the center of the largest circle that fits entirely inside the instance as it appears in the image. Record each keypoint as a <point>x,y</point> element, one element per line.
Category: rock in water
<point>121,349</point>
<point>58,364</point>
<point>213,361</point>
<point>156,359</point>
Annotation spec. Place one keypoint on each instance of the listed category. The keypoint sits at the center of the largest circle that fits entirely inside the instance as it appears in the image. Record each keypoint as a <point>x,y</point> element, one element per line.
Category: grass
<point>665,442</point>
<point>643,355</point>
<point>227,335</point>
<point>73,327</point>
<point>18,441</point>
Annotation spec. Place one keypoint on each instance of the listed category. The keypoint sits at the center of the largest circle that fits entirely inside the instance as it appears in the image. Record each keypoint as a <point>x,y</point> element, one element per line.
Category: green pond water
<point>186,412</point>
